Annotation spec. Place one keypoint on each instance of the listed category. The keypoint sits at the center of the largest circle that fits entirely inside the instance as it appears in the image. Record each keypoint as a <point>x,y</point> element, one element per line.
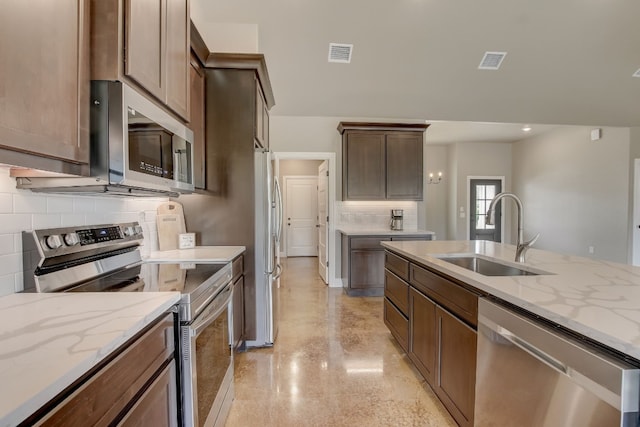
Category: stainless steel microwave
<point>136,149</point>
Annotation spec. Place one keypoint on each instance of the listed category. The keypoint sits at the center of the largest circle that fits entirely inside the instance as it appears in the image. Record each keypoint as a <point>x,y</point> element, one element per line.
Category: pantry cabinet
<point>146,43</point>
<point>382,161</point>
<point>44,114</point>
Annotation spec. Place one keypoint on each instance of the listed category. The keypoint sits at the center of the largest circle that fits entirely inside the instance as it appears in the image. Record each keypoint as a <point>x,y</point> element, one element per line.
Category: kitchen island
<point>438,306</point>
<point>49,341</point>
<point>595,298</point>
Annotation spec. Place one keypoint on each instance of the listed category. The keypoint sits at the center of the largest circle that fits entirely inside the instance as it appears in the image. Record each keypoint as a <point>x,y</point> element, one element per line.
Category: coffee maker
<point>396,219</point>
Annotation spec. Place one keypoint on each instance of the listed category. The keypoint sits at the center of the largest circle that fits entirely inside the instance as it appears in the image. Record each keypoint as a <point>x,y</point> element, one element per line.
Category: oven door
<point>207,362</point>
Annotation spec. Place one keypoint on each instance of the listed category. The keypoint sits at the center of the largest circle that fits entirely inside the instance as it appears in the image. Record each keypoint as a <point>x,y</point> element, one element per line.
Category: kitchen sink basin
<point>487,267</point>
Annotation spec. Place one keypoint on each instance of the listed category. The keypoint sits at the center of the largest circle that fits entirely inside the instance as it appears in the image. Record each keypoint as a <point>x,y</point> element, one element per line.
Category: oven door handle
<point>211,313</point>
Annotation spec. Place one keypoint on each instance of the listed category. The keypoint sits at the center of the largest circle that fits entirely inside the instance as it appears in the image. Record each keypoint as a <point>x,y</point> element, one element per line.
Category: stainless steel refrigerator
<point>268,229</point>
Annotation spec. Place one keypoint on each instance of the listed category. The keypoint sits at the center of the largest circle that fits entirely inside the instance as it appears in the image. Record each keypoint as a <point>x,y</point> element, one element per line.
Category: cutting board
<point>170,222</point>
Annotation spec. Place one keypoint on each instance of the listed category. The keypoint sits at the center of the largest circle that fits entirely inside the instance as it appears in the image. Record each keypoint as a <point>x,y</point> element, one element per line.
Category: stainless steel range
<point>106,258</point>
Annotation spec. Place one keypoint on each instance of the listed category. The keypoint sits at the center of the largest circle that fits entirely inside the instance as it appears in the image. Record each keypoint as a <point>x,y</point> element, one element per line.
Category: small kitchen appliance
<point>396,219</point>
<point>106,258</point>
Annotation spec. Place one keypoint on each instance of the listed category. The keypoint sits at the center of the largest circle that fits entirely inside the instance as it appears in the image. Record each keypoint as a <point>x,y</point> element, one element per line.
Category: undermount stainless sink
<point>487,267</point>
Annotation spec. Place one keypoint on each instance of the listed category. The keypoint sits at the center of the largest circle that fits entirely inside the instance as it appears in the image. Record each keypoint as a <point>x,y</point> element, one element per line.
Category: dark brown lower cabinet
<point>441,316</point>
<point>136,386</point>
<point>237,267</point>
<point>423,341</point>
<point>455,385</point>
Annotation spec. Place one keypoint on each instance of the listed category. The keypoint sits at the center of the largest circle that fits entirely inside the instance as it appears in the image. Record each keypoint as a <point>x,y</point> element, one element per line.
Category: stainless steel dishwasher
<point>531,373</point>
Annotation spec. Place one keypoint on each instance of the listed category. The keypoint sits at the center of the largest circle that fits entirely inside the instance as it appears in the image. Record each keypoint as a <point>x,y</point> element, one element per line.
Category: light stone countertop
<point>361,231</point>
<point>213,254</point>
<point>598,299</point>
<point>48,341</point>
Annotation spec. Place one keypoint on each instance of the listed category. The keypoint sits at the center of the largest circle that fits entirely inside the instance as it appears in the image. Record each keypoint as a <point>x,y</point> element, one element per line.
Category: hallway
<point>334,364</point>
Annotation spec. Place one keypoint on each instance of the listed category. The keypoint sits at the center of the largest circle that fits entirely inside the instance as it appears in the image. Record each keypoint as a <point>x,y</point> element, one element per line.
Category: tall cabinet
<point>238,97</point>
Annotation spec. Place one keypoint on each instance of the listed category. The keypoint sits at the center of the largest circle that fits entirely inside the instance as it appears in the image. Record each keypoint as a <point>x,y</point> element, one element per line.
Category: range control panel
<point>59,241</point>
<point>95,235</point>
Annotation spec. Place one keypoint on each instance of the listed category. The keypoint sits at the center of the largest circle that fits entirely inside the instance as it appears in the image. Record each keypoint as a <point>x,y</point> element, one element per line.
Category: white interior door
<point>302,209</point>
<point>323,202</point>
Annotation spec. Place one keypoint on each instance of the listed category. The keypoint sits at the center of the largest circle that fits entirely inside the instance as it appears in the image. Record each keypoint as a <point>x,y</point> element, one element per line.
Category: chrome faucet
<point>521,247</point>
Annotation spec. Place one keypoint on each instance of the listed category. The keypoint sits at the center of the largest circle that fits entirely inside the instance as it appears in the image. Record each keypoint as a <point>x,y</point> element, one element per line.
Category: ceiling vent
<point>339,52</point>
<point>637,73</point>
<point>492,60</point>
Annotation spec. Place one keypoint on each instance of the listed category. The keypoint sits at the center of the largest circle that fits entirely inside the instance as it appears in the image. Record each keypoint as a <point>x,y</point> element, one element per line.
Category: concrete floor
<point>334,363</point>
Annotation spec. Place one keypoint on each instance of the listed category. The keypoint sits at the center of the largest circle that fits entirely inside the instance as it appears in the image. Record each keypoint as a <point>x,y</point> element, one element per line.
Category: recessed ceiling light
<point>491,60</point>
<point>526,128</point>
<point>637,73</point>
<point>340,52</point>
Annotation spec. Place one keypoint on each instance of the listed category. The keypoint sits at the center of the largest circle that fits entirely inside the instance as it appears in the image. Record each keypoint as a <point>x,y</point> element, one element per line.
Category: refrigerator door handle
<point>279,210</point>
<point>278,272</point>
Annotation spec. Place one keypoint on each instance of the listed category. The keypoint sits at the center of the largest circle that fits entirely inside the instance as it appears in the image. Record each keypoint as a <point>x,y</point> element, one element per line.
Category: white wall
<point>576,191</point>
<point>433,211</point>
<point>22,210</point>
<point>475,159</point>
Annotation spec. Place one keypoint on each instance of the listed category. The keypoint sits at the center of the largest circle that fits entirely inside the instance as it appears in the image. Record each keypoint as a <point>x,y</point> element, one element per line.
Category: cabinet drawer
<point>237,267</point>
<point>397,290</point>
<point>367,242</point>
<point>397,324</point>
<point>398,265</point>
<point>460,301</point>
<point>103,396</point>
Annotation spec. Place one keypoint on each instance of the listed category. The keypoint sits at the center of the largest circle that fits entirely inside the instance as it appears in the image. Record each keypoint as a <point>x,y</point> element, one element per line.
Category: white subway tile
<point>7,244</point>
<point>72,220</point>
<point>111,204</point>
<point>84,204</point>
<point>14,223</point>
<point>7,284</point>
<point>59,204</point>
<point>6,203</point>
<point>19,282</point>
<point>46,221</point>
<point>11,264</point>
<point>29,204</point>
<point>95,218</point>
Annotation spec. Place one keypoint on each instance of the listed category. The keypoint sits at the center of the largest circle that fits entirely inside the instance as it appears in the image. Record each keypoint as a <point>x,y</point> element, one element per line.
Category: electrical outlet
<point>591,250</point>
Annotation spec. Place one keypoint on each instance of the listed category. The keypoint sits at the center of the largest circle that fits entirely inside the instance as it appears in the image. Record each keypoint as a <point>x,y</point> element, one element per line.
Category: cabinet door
<point>457,374</point>
<point>197,122</point>
<point>177,56</point>
<point>144,33</point>
<point>422,334</point>
<point>404,165</point>
<point>238,311</point>
<point>367,269</point>
<point>44,88</point>
<point>363,166</point>
<point>158,406</point>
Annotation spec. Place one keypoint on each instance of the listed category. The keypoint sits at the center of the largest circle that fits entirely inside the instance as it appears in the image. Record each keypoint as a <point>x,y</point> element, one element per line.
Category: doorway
<point>328,271</point>
<point>481,192</point>
<point>301,208</point>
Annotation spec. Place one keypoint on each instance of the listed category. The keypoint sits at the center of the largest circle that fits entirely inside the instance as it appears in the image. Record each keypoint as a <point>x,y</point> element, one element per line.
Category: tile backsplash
<point>375,214</point>
<point>22,210</point>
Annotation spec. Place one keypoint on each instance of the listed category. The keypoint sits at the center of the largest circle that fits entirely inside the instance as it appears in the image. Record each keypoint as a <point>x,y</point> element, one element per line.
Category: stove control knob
<point>129,231</point>
<point>138,229</point>
<point>53,242</point>
<point>71,239</point>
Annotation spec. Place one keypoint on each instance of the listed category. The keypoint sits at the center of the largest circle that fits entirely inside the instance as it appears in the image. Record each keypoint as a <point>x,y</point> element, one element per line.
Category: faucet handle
<point>532,241</point>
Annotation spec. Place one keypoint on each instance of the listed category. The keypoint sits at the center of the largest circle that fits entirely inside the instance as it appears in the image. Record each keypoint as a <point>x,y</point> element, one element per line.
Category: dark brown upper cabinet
<point>145,42</point>
<point>44,106</point>
<point>198,107</point>
<point>382,161</point>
